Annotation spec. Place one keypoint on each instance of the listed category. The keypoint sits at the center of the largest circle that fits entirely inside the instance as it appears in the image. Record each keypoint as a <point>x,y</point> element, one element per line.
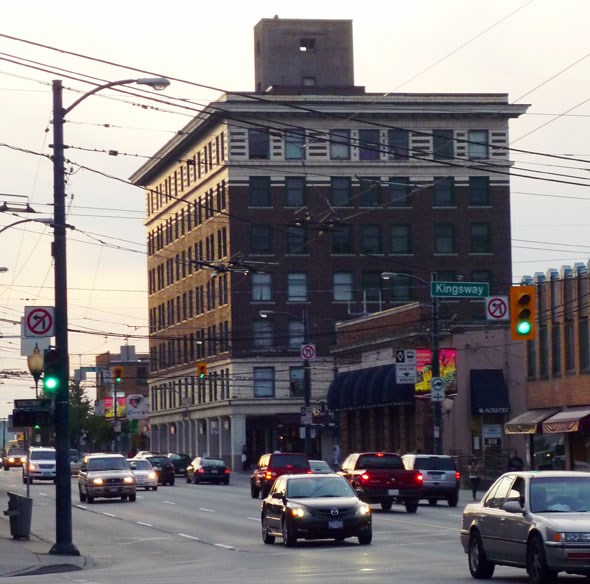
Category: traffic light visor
<point>522,312</point>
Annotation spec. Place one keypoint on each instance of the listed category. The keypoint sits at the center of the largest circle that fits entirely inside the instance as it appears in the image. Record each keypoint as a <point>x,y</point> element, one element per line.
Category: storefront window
<point>549,452</point>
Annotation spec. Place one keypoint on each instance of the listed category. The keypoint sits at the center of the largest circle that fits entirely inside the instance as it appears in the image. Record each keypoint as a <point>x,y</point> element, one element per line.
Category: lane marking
<point>108,514</point>
<point>189,536</point>
<point>206,510</point>
<point>169,502</point>
<point>146,524</point>
<point>224,546</point>
<point>253,518</point>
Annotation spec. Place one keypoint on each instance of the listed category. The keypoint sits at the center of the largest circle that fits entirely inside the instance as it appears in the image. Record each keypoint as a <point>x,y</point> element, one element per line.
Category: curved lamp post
<point>306,371</point>
<point>35,363</point>
<point>63,496</point>
<point>436,405</point>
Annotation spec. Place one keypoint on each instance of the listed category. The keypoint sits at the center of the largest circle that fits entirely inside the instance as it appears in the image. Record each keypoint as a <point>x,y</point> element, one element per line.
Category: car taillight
<point>419,478</point>
<point>201,471</point>
<point>364,477</point>
<point>226,471</point>
<point>457,475</point>
<point>268,475</point>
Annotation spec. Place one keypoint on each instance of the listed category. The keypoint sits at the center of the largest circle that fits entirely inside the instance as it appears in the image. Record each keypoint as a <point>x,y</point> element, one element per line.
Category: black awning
<point>528,422</point>
<point>489,394</point>
<point>372,387</point>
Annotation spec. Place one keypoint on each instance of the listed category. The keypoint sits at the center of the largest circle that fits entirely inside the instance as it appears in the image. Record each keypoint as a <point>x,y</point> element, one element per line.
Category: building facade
<point>294,199</point>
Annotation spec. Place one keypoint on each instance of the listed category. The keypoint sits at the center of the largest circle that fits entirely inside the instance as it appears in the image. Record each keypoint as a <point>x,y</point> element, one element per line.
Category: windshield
<point>108,464</point>
<point>212,462</point>
<point>16,452</point>
<point>560,494</point>
<point>434,463</point>
<point>376,461</point>
<point>42,455</point>
<point>285,460</point>
<point>140,465</point>
<point>309,487</point>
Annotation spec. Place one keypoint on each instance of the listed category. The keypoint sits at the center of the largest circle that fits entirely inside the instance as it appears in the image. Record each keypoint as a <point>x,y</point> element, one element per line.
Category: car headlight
<point>97,481</point>
<point>298,512</point>
<point>10,459</point>
<point>129,480</point>
<point>152,475</point>
<point>32,467</point>
<point>363,510</point>
<point>571,537</point>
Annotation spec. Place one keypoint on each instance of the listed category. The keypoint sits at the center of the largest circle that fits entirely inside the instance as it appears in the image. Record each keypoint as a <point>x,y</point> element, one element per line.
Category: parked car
<point>15,457</point>
<point>41,464</point>
<point>204,469</point>
<point>75,465</point>
<point>320,467</point>
<point>271,466</point>
<point>106,476</point>
<point>533,520</point>
<point>314,507</point>
<point>145,475</point>
<point>441,477</point>
<point>164,468</point>
<point>180,462</point>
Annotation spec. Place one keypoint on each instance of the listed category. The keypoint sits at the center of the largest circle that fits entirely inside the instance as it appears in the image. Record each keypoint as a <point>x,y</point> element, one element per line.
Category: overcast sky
<point>536,51</point>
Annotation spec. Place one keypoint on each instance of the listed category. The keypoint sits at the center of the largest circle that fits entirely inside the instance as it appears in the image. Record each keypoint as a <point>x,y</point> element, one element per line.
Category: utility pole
<point>307,386</point>
<point>436,405</point>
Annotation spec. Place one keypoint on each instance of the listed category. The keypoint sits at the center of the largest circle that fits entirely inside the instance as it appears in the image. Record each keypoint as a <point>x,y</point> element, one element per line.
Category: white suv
<point>40,464</point>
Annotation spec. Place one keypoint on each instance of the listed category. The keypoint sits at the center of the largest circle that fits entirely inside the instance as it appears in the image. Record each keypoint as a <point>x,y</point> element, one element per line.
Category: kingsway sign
<point>460,289</point>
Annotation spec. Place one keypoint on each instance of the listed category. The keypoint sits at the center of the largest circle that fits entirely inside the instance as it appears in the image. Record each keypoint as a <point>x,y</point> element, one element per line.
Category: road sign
<point>306,415</point>
<point>460,289</point>
<point>39,321</point>
<point>437,389</point>
<point>405,366</point>
<point>31,404</point>
<point>308,351</point>
<point>405,356</point>
<point>497,308</point>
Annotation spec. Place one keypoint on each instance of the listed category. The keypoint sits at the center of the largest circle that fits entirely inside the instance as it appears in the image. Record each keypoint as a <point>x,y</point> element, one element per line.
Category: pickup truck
<point>381,477</point>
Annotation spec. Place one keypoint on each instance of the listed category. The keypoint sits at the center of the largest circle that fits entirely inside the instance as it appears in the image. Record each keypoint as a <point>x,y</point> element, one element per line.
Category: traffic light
<point>50,371</point>
<point>523,313</point>
<point>117,374</point>
<point>202,369</point>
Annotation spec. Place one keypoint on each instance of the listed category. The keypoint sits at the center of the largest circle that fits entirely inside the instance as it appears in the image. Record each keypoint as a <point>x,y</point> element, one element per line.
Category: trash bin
<point>19,511</point>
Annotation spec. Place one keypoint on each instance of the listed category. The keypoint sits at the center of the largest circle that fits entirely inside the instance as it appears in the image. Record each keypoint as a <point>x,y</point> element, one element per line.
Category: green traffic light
<point>50,383</point>
<point>523,328</point>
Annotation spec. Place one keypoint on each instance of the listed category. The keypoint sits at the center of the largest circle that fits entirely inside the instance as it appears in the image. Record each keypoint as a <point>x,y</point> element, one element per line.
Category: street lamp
<point>63,496</point>
<point>306,372</point>
<point>35,363</point>
<point>436,405</point>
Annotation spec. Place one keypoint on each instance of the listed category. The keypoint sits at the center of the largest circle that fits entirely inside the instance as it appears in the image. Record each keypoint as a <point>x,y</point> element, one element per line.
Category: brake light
<point>268,475</point>
<point>226,471</point>
<point>365,477</point>
<point>457,475</point>
<point>379,454</point>
<point>419,478</point>
<point>201,471</point>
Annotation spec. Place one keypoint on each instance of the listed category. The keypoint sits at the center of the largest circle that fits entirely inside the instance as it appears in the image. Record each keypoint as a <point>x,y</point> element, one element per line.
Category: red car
<point>271,466</point>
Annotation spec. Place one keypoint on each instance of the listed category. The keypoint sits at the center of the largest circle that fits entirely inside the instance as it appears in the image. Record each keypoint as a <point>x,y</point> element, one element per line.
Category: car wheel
<point>412,506</point>
<point>154,488</point>
<point>289,540</point>
<point>479,566</point>
<point>366,539</point>
<point>266,536</point>
<point>132,498</point>
<point>264,492</point>
<point>225,481</point>
<point>90,499</point>
<point>254,492</point>
<point>196,479</point>
<point>124,497</point>
<point>339,539</point>
<point>171,483</point>
<point>82,496</point>
<point>386,505</point>
<point>453,500</point>
<point>6,468</point>
<point>536,565</point>
<point>432,502</point>
<point>188,480</point>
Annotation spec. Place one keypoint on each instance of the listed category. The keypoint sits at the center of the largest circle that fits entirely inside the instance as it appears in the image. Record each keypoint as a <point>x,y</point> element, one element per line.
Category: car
<point>441,477</point>
<point>537,520</point>
<point>204,469</point>
<point>320,467</point>
<point>144,453</point>
<point>164,468</point>
<point>15,457</point>
<point>314,506</point>
<point>273,465</point>
<point>180,462</point>
<point>75,465</point>
<point>145,475</point>
<point>107,476</point>
<point>41,464</point>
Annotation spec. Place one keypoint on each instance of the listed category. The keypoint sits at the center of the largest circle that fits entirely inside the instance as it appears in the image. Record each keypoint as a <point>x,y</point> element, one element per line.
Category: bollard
<point>19,511</point>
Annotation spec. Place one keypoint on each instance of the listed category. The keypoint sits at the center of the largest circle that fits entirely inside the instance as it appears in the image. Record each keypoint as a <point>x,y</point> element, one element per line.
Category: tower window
<point>307,45</point>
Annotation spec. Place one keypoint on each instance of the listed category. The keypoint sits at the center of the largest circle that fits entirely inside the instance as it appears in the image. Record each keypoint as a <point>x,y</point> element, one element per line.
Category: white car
<point>144,472</point>
<point>41,464</point>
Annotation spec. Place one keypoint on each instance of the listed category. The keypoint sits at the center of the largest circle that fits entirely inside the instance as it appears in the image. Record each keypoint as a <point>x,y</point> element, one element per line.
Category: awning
<point>529,422</point>
<point>568,420</point>
<point>371,387</point>
<point>489,394</point>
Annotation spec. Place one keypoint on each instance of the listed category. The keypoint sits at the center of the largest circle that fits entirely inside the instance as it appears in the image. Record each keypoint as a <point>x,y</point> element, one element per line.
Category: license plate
<point>393,492</point>
<point>214,471</point>
<point>335,524</point>
<point>112,490</point>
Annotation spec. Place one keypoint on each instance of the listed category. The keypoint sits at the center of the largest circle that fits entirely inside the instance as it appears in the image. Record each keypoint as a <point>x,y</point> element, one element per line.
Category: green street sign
<point>460,289</point>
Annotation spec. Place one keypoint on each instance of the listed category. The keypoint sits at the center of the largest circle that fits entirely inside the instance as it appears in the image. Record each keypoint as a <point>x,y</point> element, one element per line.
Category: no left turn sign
<point>39,321</point>
<point>308,351</point>
<point>497,308</point>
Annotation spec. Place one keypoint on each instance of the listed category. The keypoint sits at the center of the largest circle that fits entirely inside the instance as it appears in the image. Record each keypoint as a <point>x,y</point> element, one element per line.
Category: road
<point>211,533</point>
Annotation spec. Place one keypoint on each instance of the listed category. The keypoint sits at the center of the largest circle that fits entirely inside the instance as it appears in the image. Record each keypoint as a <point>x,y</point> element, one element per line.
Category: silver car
<point>144,472</point>
<point>534,520</point>
<point>441,477</point>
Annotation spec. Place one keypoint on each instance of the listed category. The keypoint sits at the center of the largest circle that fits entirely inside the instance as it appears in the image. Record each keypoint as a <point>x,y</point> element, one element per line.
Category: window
<point>294,191</point>
<point>341,193</point>
<point>556,349</point>
<point>262,334</point>
<point>442,144</point>
<point>444,192</point>
<point>444,238</point>
<point>584,344</point>
<point>261,287</point>
<point>369,144</point>
<point>295,145</point>
<point>401,287</point>
<point>264,381</point>
<point>342,286</point>
<point>259,191</point>
<point>258,144</point>
<point>296,240</point>
<point>297,287</point>
<point>261,239</point>
<point>399,144</point>
<point>371,239</point>
<point>570,362</point>
<point>296,382</point>
<point>478,144</point>
<point>480,238</point>
<point>340,144</point>
<point>401,239</point>
<point>447,276</point>
<point>479,191</point>
<point>399,191</point>
<point>370,195</point>
<point>306,45</point>
<point>342,239</point>
<point>296,334</point>
<point>481,276</point>
<point>371,284</point>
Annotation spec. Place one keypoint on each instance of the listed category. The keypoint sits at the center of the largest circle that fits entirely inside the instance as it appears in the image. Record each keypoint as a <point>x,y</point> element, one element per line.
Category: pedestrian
<point>244,458</point>
<point>474,479</point>
<point>515,463</point>
<point>336,456</point>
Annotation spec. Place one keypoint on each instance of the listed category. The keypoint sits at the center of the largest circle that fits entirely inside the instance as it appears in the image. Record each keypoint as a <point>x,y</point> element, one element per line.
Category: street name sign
<point>459,289</point>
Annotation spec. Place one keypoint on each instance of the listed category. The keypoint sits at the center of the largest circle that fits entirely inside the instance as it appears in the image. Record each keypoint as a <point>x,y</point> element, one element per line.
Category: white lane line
<point>206,510</point>
<point>108,514</point>
<point>225,547</point>
<point>189,536</point>
<point>169,502</point>
<point>146,524</point>
<point>253,518</point>
<point>81,506</point>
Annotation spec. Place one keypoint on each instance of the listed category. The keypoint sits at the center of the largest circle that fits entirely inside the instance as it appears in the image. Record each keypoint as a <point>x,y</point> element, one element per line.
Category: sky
<point>536,51</point>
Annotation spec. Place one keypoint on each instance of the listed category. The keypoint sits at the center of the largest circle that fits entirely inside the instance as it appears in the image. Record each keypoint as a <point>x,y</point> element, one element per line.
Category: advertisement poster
<point>121,407</point>
<point>137,407</point>
<point>447,359</point>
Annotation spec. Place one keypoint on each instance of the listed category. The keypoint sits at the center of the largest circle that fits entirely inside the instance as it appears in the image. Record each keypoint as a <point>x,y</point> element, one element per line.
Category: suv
<point>107,476</point>
<point>41,464</point>
<point>441,477</point>
<point>16,456</point>
<point>271,466</point>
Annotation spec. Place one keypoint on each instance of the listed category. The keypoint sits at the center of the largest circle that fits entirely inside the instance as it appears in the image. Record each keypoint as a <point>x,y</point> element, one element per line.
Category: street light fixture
<point>436,405</point>
<point>63,496</point>
<point>306,372</point>
<point>35,363</point>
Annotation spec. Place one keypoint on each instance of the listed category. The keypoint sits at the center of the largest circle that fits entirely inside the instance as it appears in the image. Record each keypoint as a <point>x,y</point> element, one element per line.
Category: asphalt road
<point>211,533</point>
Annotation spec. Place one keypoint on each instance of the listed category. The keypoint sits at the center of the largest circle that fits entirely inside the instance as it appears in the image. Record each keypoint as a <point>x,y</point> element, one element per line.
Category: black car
<point>164,468</point>
<point>314,507</point>
<point>180,462</point>
<point>207,470</point>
